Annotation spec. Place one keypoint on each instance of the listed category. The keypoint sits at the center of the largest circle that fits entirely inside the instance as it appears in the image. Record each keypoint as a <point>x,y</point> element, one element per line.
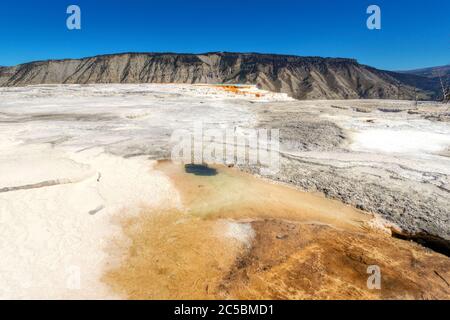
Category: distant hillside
<point>300,77</point>
<point>433,72</point>
<point>439,75</point>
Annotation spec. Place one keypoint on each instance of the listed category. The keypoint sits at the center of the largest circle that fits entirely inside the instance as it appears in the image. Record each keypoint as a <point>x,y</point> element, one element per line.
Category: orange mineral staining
<point>239,89</point>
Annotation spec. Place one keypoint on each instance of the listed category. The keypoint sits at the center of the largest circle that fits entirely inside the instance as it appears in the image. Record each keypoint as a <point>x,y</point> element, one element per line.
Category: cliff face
<point>300,77</point>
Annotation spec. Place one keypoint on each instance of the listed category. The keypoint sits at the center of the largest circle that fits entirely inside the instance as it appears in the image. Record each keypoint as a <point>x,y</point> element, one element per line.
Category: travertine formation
<point>79,177</point>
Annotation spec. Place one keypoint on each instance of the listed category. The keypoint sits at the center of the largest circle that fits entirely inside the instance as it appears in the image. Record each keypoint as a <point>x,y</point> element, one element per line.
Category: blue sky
<point>415,33</point>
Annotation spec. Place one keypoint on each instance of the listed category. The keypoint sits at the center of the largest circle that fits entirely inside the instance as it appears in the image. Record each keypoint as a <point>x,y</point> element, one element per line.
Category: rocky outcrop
<point>300,77</point>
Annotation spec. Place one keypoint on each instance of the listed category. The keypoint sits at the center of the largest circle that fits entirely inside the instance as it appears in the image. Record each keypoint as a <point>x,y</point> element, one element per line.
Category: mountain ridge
<point>300,77</point>
<point>431,72</point>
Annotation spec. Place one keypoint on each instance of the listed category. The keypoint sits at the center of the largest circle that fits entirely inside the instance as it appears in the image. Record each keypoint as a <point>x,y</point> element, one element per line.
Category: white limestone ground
<point>239,231</point>
<point>392,134</point>
<point>383,156</point>
<point>401,141</point>
<point>53,235</point>
<point>396,137</point>
<point>64,178</point>
<point>73,157</point>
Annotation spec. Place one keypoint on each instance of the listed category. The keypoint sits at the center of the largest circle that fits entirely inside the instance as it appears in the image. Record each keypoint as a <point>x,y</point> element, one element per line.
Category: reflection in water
<point>241,237</point>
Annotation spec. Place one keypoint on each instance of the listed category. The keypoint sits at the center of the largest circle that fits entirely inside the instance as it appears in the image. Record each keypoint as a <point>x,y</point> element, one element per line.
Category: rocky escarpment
<point>300,77</point>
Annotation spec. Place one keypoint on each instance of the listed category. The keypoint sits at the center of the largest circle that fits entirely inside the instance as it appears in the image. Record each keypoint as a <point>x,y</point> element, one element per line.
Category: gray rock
<point>299,77</point>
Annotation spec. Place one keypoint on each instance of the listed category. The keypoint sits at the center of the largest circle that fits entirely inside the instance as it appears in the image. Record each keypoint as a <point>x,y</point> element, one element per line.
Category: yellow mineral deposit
<point>240,237</point>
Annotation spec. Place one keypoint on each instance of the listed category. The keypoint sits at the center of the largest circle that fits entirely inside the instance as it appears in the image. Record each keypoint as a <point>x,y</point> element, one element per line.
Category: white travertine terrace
<point>63,177</point>
<point>72,157</point>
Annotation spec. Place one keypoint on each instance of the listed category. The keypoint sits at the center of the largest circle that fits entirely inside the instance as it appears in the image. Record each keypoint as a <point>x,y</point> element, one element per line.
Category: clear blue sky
<point>415,33</point>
